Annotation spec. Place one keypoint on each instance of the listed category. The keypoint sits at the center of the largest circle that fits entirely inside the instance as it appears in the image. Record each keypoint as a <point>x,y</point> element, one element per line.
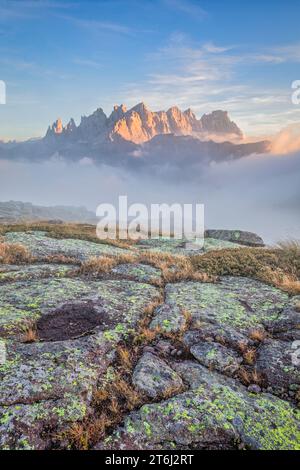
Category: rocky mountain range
<point>139,124</point>
<point>127,136</point>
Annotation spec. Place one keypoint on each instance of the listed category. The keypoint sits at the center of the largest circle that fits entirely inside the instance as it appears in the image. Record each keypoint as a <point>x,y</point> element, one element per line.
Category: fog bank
<point>259,193</point>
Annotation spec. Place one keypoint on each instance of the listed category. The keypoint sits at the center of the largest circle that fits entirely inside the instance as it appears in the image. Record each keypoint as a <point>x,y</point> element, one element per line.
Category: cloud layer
<point>258,193</point>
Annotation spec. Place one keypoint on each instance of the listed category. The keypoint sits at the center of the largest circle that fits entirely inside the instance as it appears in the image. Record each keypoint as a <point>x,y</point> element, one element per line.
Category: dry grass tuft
<point>60,259</point>
<point>187,315</point>
<point>124,358</point>
<point>245,376</point>
<point>100,395</point>
<point>110,403</point>
<point>249,356</point>
<point>278,266</point>
<point>149,309</point>
<point>14,253</point>
<point>248,377</point>
<point>257,335</point>
<point>146,335</point>
<point>97,265</point>
<point>30,334</point>
<point>104,264</point>
<point>285,282</point>
<point>126,392</point>
<point>83,435</point>
<point>257,378</point>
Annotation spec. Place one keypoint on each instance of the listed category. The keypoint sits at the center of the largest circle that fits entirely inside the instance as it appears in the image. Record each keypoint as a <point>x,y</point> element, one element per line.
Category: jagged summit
<point>139,124</point>
<point>219,122</point>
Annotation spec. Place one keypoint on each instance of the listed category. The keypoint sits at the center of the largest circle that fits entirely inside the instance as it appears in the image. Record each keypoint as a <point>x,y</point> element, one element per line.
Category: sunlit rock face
<point>139,124</point>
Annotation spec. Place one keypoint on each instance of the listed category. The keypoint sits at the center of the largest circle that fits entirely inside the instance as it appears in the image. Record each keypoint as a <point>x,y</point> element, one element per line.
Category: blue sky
<point>66,58</point>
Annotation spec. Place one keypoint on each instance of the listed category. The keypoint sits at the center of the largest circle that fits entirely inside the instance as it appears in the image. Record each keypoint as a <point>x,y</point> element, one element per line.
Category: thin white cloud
<point>188,7</point>
<point>288,53</point>
<point>214,49</point>
<point>206,77</point>
<point>96,26</point>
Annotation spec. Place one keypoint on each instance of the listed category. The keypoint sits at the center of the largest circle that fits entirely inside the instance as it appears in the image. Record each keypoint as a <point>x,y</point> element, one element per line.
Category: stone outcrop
<point>236,236</point>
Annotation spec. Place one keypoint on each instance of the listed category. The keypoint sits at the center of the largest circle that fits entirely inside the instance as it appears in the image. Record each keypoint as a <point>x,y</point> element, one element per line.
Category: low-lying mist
<point>259,193</point>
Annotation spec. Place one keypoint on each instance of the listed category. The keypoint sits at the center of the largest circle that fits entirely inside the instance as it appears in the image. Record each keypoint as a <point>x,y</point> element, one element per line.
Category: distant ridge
<point>17,211</point>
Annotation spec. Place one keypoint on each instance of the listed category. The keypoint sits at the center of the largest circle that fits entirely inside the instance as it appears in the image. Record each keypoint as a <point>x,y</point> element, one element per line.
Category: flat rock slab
<point>153,377</point>
<point>179,247</point>
<point>45,386</point>
<point>33,271</point>
<point>213,333</point>
<point>138,272</point>
<point>216,356</point>
<point>240,303</point>
<point>212,416</point>
<point>41,246</point>
<point>28,300</point>
<point>169,319</point>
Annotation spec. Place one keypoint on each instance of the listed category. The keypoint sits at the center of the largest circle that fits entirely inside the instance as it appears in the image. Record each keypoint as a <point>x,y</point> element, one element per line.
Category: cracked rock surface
<point>207,381</point>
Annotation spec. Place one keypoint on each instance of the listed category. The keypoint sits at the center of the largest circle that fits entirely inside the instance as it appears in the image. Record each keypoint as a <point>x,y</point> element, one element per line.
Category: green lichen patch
<point>238,302</point>
<point>138,272</point>
<point>211,415</point>
<point>10,273</point>
<point>41,246</point>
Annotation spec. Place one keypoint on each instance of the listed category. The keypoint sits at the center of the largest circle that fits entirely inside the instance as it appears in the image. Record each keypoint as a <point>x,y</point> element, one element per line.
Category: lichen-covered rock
<point>28,300</point>
<point>168,319</point>
<point>139,272</point>
<point>33,271</point>
<point>275,362</point>
<point>221,334</point>
<point>236,236</point>
<point>194,374</point>
<point>216,356</point>
<point>211,416</point>
<point>153,377</point>
<point>239,303</point>
<point>45,386</point>
<point>41,246</point>
<point>195,357</point>
<point>287,325</point>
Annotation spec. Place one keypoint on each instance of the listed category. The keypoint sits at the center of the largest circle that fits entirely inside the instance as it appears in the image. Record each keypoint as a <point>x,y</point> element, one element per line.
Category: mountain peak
<point>139,124</point>
<point>57,126</point>
<point>189,113</point>
<point>218,122</point>
<point>140,108</point>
